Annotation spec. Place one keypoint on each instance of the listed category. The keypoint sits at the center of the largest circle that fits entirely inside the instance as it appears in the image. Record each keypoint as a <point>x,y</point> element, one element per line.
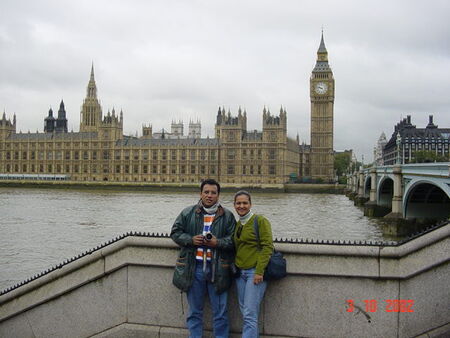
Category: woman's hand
<point>257,279</point>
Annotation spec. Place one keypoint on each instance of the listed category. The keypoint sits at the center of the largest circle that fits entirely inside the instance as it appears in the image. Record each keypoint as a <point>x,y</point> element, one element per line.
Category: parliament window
<point>164,155</point>
<point>230,170</point>
<point>154,155</point>
<point>193,154</point>
<point>117,169</point>
<point>154,169</point>
<point>136,169</point>
<point>192,169</point>
<point>136,154</point>
<point>24,155</point>
<point>173,155</point>
<point>164,169</point>
<point>127,169</point>
<point>231,154</point>
<point>183,169</point>
<point>145,169</point>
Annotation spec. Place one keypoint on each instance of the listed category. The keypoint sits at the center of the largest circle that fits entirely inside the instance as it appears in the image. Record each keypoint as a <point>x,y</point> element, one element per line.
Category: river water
<point>42,227</point>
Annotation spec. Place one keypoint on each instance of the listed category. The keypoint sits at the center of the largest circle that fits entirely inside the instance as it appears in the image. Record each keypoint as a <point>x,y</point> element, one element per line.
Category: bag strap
<point>256,229</point>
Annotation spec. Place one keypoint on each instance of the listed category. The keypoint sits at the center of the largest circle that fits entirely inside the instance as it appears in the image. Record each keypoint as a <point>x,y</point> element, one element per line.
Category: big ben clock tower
<point>322,102</point>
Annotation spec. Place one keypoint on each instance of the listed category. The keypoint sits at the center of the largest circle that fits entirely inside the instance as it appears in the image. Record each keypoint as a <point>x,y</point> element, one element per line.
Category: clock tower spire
<point>322,104</point>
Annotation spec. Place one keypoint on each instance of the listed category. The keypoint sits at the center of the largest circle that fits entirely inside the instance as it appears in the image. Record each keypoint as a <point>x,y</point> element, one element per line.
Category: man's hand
<point>257,279</point>
<point>197,240</point>
<point>212,242</point>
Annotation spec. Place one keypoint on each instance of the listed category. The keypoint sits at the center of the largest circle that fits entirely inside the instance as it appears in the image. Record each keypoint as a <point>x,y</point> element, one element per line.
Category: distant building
<point>177,131</point>
<point>378,150</point>
<point>407,139</point>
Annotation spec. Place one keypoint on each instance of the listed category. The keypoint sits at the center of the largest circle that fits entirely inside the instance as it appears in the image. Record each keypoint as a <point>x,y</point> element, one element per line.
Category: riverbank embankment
<point>141,186</point>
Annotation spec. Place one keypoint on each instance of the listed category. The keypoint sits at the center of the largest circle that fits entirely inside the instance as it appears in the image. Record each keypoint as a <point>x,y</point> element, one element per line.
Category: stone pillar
<point>360,199</point>
<point>397,199</point>
<point>355,184</point>
<point>361,184</point>
<point>373,185</point>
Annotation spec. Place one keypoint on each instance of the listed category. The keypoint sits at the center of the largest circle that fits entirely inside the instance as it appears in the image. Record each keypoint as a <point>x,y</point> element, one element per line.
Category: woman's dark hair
<point>243,192</point>
<point>210,181</point>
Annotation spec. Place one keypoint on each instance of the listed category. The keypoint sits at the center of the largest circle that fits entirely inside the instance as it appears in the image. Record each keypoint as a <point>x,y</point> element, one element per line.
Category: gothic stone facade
<point>100,151</point>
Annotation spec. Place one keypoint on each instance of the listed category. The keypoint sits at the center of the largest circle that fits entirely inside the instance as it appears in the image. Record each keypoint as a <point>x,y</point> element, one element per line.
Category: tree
<point>341,163</point>
<point>427,156</point>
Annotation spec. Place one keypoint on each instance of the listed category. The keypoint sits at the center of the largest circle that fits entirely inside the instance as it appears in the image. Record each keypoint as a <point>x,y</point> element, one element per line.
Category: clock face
<point>321,88</point>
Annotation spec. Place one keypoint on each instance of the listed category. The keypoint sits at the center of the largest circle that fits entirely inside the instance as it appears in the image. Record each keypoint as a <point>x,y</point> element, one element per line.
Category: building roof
<point>408,130</point>
<point>52,136</point>
<point>129,142</point>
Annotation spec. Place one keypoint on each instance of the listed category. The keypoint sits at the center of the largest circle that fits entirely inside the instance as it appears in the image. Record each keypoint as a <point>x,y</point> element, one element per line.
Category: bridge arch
<point>385,192</point>
<point>426,199</point>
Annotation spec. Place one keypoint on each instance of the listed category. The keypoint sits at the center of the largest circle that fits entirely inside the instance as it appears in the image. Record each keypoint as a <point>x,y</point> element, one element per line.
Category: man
<point>204,232</point>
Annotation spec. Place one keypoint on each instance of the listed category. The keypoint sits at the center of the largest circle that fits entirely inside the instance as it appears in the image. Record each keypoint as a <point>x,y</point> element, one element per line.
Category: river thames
<point>42,227</point>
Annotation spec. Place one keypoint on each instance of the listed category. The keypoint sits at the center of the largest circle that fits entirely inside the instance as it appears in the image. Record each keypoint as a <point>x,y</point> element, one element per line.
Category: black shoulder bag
<point>276,268</point>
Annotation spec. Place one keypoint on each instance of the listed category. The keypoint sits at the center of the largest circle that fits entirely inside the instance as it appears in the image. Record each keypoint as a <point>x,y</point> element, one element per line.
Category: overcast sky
<point>165,60</point>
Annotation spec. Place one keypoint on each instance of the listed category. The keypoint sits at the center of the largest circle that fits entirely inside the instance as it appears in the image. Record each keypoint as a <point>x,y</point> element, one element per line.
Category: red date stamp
<point>389,305</point>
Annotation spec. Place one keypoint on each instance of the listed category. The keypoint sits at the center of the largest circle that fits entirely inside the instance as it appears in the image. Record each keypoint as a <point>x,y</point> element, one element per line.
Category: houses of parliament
<point>100,151</point>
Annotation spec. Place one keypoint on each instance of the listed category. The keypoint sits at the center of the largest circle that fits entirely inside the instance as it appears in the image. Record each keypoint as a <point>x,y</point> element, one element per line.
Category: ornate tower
<point>91,111</point>
<point>49,122</point>
<point>61,121</point>
<point>322,102</point>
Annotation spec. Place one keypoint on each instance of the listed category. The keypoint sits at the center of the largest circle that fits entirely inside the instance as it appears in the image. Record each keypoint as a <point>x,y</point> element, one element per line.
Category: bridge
<point>403,191</point>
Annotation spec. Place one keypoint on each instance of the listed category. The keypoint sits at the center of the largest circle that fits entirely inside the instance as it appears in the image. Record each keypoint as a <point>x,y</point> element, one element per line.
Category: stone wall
<point>124,289</point>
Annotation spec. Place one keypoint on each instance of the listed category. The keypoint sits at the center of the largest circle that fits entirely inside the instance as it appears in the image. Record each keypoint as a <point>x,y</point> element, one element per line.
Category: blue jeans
<point>196,299</point>
<point>250,296</point>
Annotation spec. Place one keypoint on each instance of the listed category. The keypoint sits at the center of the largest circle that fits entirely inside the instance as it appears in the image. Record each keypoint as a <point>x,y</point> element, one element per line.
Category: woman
<point>251,258</point>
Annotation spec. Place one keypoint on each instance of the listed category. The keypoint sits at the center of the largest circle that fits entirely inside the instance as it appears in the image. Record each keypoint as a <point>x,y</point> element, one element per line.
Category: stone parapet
<point>124,289</point>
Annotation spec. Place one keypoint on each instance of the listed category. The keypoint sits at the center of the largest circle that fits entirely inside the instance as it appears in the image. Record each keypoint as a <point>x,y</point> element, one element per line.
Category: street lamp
<point>399,142</point>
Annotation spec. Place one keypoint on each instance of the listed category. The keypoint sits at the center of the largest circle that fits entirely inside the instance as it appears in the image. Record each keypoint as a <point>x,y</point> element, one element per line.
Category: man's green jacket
<point>190,223</point>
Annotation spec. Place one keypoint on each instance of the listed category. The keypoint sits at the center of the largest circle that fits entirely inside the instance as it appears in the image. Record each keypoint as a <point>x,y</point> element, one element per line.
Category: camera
<point>208,236</point>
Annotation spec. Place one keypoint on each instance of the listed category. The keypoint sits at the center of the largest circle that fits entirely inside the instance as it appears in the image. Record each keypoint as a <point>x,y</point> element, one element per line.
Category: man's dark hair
<point>210,181</point>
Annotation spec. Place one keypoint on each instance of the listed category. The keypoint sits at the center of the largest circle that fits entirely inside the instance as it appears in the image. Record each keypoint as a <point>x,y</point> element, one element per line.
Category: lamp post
<point>399,142</point>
